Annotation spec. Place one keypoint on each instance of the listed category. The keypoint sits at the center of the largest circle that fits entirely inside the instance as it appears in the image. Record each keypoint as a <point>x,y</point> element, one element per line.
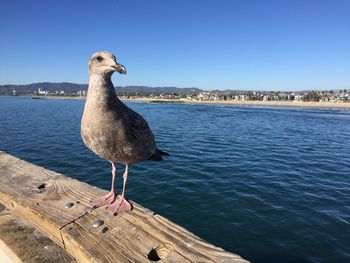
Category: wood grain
<point>23,243</point>
<point>38,196</point>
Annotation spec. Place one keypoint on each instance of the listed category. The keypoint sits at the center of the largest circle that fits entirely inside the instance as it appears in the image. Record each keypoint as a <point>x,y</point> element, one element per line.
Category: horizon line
<point>139,85</point>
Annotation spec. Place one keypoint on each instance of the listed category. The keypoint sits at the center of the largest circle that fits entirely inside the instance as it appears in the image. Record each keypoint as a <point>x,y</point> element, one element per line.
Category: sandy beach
<point>343,105</point>
<point>252,103</point>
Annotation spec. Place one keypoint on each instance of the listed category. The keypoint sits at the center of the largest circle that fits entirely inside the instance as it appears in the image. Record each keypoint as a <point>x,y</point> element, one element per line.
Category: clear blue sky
<point>233,44</point>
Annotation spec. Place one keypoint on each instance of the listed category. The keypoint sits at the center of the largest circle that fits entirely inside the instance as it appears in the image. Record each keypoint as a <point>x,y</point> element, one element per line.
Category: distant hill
<point>51,87</point>
<point>74,88</point>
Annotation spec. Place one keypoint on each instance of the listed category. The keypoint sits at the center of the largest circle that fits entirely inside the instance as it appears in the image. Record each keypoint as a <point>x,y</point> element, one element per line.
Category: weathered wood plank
<point>124,238</point>
<point>39,196</point>
<point>25,244</point>
<point>7,255</point>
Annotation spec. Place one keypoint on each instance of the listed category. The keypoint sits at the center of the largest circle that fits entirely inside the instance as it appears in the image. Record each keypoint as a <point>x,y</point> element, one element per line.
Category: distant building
<point>83,93</point>
<point>42,92</point>
<point>343,98</point>
<point>298,98</point>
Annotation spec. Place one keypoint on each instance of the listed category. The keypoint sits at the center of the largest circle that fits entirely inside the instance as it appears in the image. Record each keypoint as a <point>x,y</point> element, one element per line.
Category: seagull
<point>112,130</point>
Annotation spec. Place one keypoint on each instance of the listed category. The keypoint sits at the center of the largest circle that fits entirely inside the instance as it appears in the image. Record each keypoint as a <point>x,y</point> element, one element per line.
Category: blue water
<point>271,184</point>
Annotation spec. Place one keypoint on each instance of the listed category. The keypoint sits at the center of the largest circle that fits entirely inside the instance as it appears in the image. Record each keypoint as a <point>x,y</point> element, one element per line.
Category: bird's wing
<point>140,131</point>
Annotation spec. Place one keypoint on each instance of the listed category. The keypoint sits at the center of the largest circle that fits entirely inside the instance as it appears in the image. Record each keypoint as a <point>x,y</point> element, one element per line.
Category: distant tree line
<point>312,96</point>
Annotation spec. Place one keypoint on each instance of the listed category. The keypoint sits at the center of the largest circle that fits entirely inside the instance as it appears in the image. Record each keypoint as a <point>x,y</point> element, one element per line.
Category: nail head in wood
<point>98,223</point>
<point>68,205</point>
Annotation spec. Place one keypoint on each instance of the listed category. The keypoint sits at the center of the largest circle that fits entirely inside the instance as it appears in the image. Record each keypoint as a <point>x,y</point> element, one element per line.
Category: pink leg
<point>110,197</point>
<point>121,204</point>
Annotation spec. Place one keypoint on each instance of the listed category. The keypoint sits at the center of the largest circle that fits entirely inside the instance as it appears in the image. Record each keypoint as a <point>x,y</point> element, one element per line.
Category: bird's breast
<point>103,132</point>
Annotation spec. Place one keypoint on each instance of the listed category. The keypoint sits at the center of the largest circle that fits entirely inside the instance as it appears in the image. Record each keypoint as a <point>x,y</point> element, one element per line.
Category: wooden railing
<point>59,208</point>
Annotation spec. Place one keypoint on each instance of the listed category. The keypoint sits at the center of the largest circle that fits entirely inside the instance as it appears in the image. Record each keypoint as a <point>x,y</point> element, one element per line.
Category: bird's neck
<point>100,89</point>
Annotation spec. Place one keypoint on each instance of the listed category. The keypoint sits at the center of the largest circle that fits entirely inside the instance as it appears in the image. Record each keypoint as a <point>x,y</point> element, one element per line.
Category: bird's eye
<point>99,58</point>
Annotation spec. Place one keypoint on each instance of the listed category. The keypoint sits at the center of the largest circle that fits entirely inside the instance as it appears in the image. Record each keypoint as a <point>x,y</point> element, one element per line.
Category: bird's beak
<point>119,68</point>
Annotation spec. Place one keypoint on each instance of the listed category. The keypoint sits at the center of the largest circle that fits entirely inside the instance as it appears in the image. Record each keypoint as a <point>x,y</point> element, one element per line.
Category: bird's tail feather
<point>157,156</point>
<point>163,153</point>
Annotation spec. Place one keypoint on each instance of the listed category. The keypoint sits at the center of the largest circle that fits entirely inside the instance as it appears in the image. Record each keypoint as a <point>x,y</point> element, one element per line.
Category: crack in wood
<point>71,222</point>
<point>75,219</point>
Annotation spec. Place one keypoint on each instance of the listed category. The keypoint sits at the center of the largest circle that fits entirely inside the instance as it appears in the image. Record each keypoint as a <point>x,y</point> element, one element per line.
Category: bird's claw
<point>119,206</point>
<point>104,200</point>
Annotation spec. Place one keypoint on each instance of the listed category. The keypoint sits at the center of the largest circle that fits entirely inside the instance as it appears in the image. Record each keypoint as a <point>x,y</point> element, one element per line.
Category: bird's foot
<point>119,206</point>
<point>104,200</point>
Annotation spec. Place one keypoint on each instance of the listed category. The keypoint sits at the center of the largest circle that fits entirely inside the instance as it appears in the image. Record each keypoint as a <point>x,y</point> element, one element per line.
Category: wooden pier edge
<point>59,207</point>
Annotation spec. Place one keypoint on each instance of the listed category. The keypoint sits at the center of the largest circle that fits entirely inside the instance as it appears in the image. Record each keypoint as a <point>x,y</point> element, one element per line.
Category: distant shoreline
<point>251,103</point>
<point>343,105</point>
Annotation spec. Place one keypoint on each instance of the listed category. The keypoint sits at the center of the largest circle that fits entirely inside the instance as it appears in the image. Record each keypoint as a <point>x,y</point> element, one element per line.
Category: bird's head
<point>104,63</point>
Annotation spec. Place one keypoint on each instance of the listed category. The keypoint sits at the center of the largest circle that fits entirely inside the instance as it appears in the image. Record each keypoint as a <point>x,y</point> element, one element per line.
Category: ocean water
<point>269,183</point>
